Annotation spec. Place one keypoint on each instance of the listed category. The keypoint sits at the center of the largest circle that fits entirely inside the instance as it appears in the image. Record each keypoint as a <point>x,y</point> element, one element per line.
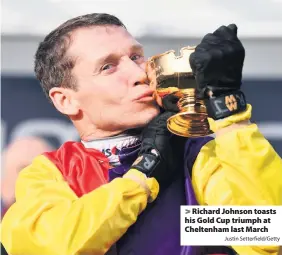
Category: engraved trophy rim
<point>181,53</point>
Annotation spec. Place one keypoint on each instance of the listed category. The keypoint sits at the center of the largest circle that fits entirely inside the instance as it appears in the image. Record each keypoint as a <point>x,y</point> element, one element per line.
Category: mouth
<point>145,96</point>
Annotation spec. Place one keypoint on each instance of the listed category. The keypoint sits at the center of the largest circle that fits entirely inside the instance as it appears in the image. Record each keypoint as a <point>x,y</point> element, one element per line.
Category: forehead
<point>97,41</point>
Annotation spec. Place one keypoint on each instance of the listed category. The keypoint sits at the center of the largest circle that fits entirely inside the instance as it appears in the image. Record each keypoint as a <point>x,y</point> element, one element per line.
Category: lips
<point>148,93</point>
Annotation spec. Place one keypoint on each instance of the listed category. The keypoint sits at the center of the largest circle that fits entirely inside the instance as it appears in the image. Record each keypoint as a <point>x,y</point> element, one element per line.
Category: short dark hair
<point>52,66</point>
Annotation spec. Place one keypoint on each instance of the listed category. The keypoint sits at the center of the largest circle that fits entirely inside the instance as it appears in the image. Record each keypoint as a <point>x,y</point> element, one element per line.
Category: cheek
<point>103,92</point>
<point>113,87</point>
<point>118,94</point>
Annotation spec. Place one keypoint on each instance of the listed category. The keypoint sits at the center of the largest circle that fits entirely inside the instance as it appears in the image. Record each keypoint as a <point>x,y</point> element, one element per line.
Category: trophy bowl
<point>171,74</point>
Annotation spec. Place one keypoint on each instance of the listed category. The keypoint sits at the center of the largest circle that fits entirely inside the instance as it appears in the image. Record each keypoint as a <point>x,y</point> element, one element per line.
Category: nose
<point>136,73</point>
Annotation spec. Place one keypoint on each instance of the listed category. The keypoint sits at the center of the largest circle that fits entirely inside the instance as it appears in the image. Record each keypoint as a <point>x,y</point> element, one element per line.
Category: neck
<point>93,132</point>
<point>98,134</point>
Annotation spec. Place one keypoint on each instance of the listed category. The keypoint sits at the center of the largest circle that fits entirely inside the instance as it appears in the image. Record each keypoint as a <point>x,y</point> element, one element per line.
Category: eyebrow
<point>113,56</point>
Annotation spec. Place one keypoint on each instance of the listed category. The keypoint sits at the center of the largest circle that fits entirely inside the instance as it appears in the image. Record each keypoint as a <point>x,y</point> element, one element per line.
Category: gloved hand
<point>161,153</point>
<point>217,65</point>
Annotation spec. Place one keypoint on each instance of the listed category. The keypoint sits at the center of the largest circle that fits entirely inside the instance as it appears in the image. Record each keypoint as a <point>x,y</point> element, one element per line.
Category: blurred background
<point>160,25</point>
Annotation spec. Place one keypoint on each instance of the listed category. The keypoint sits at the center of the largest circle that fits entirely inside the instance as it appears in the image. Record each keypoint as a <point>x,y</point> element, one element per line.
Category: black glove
<point>217,65</point>
<point>161,153</point>
<point>169,103</point>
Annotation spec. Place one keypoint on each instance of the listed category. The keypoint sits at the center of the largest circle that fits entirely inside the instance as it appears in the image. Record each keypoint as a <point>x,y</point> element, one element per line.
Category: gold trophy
<point>170,74</point>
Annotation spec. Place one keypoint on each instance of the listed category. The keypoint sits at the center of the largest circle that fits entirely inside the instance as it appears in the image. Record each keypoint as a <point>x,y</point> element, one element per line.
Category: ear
<point>63,100</point>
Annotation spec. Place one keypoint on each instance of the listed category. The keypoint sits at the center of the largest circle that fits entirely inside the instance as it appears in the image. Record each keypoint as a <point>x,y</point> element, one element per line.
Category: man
<point>15,157</point>
<point>77,201</point>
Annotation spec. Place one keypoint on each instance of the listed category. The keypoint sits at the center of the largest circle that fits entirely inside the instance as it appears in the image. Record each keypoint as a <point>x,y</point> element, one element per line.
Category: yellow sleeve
<point>49,219</point>
<point>239,168</point>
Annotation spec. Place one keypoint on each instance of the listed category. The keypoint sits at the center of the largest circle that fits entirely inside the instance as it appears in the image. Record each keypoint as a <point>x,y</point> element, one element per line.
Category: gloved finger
<point>157,126</point>
<point>192,62</point>
<point>210,61</point>
<point>227,33</point>
<point>209,39</point>
<point>233,28</point>
<point>160,120</point>
<point>163,117</point>
<point>198,59</point>
<point>201,93</point>
<point>170,103</point>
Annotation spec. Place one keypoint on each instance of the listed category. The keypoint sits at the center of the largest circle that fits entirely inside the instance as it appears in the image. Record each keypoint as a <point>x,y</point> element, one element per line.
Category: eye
<point>137,57</point>
<point>107,67</point>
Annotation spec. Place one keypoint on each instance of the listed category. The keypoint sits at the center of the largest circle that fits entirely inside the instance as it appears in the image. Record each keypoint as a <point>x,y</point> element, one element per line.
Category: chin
<point>138,117</point>
<point>145,117</point>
